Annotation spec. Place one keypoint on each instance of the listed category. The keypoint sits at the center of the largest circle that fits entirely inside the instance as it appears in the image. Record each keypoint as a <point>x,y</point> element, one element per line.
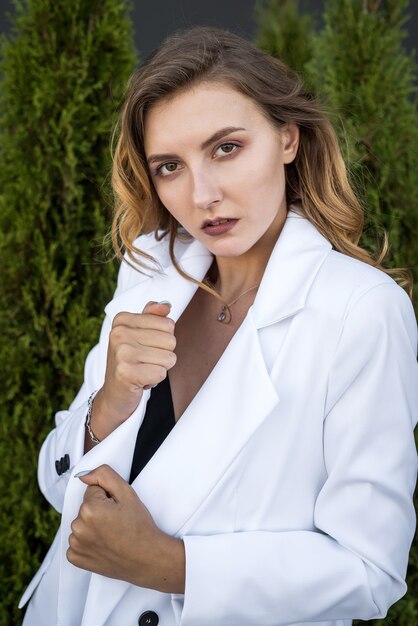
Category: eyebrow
<point>215,137</point>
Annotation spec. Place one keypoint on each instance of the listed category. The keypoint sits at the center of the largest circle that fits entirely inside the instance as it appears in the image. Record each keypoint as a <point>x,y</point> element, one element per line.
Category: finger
<point>143,337</point>
<point>148,376</point>
<point>143,320</point>
<point>106,478</point>
<point>162,308</point>
<point>144,355</point>
<point>154,338</point>
<point>95,492</point>
<point>137,374</point>
<point>156,356</point>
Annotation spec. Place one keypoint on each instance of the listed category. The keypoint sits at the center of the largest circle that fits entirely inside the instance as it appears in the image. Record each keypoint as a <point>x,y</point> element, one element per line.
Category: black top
<point>158,421</point>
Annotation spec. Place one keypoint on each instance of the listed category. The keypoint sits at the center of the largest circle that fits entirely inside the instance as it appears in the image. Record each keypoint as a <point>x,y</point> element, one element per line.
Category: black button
<point>63,465</point>
<point>149,618</point>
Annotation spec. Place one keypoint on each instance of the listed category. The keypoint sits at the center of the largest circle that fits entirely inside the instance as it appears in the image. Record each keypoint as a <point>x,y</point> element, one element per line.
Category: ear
<point>290,142</point>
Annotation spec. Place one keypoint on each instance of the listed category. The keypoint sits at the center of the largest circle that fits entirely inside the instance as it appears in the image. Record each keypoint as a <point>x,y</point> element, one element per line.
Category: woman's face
<point>213,156</point>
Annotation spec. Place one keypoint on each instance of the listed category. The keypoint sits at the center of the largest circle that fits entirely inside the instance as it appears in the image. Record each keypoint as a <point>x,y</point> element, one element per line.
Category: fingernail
<point>165,302</point>
<point>83,473</point>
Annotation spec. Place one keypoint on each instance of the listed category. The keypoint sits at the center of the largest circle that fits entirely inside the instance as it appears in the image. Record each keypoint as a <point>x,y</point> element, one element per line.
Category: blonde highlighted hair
<point>316,180</point>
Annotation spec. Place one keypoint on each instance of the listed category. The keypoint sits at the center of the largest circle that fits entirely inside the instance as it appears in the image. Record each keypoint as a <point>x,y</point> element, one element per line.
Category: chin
<point>230,249</point>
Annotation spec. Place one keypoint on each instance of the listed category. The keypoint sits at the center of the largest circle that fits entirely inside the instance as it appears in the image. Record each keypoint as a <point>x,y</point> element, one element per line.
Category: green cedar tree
<point>367,78</point>
<point>284,32</point>
<point>63,70</point>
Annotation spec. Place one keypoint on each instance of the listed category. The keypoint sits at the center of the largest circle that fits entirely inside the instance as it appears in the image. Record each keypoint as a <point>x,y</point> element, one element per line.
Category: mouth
<point>219,226</point>
<point>217,221</point>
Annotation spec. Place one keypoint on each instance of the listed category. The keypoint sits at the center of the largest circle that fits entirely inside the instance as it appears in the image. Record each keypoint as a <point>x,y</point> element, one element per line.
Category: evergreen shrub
<point>284,32</point>
<point>63,70</point>
<point>367,78</point>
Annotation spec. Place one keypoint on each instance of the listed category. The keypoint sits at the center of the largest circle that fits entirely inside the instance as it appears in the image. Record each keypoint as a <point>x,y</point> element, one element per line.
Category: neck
<point>235,275</point>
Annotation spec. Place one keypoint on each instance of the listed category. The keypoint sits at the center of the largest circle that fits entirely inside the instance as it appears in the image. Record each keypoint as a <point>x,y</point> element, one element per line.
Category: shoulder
<point>352,274</point>
<point>366,301</point>
<point>369,325</point>
<point>343,280</point>
<point>350,294</point>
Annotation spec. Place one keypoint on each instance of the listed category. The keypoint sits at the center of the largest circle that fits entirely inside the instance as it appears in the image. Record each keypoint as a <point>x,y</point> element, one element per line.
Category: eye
<point>228,148</point>
<point>168,166</point>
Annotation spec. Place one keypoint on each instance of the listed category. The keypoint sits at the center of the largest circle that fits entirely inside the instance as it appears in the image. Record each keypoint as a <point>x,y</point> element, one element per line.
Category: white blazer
<point>290,475</point>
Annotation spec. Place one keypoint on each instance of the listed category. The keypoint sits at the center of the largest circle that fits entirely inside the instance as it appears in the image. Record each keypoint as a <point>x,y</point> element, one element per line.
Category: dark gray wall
<point>154,19</point>
<point>161,17</point>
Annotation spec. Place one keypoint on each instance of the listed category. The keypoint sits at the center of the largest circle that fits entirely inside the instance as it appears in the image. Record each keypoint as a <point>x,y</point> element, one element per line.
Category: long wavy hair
<point>317,179</point>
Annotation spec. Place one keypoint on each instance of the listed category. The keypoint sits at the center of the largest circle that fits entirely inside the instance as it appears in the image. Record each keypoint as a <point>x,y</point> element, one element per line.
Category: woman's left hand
<point>115,535</point>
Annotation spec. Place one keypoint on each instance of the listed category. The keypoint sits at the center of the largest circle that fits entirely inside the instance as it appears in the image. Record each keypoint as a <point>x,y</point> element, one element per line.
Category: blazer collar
<point>194,258</point>
<point>294,262</point>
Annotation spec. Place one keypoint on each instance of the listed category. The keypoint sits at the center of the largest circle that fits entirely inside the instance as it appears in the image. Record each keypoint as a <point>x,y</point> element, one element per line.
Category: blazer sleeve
<point>67,438</point>
<point>353,564</point>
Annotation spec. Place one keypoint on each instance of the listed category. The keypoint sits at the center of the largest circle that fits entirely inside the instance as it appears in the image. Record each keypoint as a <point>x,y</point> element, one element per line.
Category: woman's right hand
<point>141,350</point>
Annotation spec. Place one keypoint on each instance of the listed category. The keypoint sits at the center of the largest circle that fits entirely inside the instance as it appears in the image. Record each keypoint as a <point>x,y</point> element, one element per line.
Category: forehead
<point>192,115</point>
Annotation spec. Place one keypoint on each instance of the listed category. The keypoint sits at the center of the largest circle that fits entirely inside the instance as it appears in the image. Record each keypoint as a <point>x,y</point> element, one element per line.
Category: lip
<point>215,219</point>
<point>209,228</point>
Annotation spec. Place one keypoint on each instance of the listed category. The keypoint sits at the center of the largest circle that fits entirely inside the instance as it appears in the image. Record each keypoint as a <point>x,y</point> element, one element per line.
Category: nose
<point>206,191</point>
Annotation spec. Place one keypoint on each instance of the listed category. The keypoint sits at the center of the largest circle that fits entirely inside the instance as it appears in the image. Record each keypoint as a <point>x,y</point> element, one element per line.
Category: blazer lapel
<point>291,270</point>
<point>210,434</point>
<point>167,285</point>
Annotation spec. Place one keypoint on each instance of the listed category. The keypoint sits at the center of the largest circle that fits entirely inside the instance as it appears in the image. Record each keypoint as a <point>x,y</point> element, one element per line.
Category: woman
<point>241,450</point>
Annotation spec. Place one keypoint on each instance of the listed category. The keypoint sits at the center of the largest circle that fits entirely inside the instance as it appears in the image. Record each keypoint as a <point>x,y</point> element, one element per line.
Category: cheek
<point>258,167</point>
<point>262,180</point>
<point>172,196</point>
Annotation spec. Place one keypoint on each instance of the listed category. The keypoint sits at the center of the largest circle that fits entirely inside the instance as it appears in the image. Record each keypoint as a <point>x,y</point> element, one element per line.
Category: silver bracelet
<point>88,418</point>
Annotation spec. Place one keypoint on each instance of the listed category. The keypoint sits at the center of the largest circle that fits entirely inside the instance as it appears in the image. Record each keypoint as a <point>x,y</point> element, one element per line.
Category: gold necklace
<point>221,317</point>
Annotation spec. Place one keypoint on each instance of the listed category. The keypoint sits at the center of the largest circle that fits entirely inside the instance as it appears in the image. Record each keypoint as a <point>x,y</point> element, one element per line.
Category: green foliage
<point>360,66</point>
<point>285,33</point>
<point>63,71</point>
